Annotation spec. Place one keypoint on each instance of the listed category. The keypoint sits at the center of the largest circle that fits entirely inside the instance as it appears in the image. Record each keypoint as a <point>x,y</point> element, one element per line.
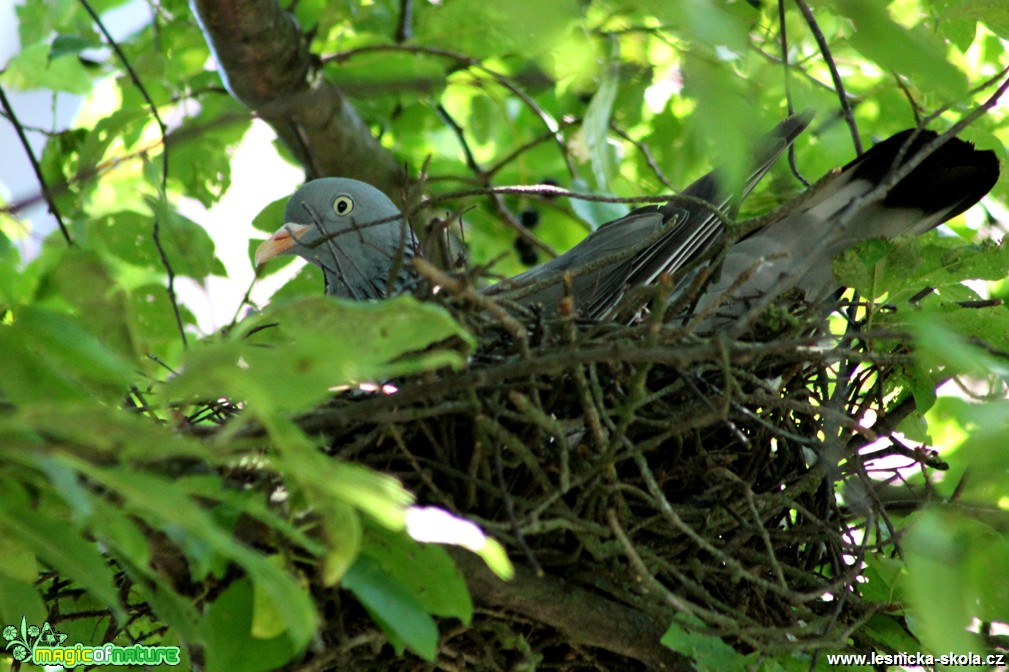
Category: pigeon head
<point>352,231</point>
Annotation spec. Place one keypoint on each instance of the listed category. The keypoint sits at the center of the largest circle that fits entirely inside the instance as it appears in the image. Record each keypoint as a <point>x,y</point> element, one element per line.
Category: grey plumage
<point>683,228</point>
<point>352,231</point>
<point>794,248</point>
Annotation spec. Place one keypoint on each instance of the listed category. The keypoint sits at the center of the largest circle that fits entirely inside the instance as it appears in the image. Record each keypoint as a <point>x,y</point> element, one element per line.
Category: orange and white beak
<point>281,242</point>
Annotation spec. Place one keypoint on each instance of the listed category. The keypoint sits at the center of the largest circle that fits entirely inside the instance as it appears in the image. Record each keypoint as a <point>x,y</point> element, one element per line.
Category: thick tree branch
<point>582,616</point>
<point>266,65</point>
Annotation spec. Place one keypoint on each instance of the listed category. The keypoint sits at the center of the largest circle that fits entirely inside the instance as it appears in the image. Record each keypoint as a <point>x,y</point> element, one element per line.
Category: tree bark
<point>265,63</point>
<point>582,616</point>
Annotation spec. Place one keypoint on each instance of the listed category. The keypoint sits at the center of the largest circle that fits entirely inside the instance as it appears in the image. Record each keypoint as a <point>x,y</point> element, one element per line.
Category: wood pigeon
<point>358,236</point>
<point>352,231</point>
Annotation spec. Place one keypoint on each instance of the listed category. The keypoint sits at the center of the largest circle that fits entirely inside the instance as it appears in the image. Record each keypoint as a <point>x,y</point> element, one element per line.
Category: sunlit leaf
<point>915,52</point>
<point>941,588</point>
<point>316,343</point>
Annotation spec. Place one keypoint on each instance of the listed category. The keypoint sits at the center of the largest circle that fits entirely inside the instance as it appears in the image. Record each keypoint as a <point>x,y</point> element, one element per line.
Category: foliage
<point>167,486</point>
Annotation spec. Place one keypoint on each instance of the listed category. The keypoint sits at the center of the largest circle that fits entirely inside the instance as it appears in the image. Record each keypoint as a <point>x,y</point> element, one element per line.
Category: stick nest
<point>719,483</point>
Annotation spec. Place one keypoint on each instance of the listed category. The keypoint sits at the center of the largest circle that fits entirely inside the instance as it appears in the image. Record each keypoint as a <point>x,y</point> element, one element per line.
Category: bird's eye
<point>343,205</point>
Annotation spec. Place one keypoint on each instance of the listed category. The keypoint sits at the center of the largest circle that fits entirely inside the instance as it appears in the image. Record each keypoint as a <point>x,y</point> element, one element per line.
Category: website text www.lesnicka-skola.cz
<point>917,659</point>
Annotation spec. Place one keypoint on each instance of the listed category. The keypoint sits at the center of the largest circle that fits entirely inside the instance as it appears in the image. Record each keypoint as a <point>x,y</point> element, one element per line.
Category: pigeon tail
<point>796,249</point>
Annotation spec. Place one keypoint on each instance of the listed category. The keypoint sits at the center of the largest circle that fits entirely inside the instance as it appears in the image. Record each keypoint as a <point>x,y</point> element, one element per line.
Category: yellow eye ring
<point>343,205</point>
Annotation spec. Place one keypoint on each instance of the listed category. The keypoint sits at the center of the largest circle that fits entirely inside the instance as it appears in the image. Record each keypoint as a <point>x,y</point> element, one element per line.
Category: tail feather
<point>796,249</point>
<point>950,179</point>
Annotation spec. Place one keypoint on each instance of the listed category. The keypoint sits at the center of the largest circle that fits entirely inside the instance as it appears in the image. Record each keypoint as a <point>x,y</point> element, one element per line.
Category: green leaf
<point>940,587</point>
<point>523,27</point>
<point>38,19</point>
<point>723,116</point>
<point>881,574</point>
<point>334,483</point>
<point>271,217</point>
<point>120,532</point>
<point>393,606</point>
<point>596,213</point>
<point>54,356</point>
<point>343,534</point>
<point>710,24</point>
<point>20,599</point>
<point>707,651</point>
<point>19,571</point>
<point>169,508</point>
<point>62,548</point>
<point>595,131</point>
<point>901,268</point>
<point>964,15</point>
<point>425,570</point>
<point>71,45</point>
<point>318,343</point>
<point>976,431</point>
<point>87,284</point>
<point>891,633</point>
<point>378,74</point>
<point>913,52</point>
<point>104,139</point>
<point>230,646</point>
<point>377,494</point>
<point>33,69</point>
<point>187,245</point>
<point>202,169</point>
<point>939,345</point>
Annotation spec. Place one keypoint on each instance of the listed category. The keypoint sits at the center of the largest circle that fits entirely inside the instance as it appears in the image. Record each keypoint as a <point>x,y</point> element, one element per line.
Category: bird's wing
<point>697,226</point>
<point>690,227</point>
<point>594,280</point>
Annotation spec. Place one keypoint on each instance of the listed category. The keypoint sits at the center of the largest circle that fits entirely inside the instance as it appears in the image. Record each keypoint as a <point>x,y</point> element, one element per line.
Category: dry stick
<point>637,396</point>
<point>849,116</point>
<point>553,362</point>
<point>787,78</point>
<point>727,625</point>
<point>425,477</point>
<point>156,230</point>
<point>771,557</point>
<point>46,192</point>
<point>646,576</point>
<point>533,412</point>
<point>489,428</point>
<point>774,501</point>
<point>469,62</point>
<point>454,287</point>
<point>647,153</point>
<point>588,404</point>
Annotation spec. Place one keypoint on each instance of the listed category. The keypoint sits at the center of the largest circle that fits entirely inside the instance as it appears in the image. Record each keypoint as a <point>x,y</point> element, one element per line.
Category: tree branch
<point>582,616</point>
<point>266,65</point>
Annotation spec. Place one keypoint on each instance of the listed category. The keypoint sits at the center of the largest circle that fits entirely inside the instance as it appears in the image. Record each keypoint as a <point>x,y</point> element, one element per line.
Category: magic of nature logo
<point>44,646</point>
